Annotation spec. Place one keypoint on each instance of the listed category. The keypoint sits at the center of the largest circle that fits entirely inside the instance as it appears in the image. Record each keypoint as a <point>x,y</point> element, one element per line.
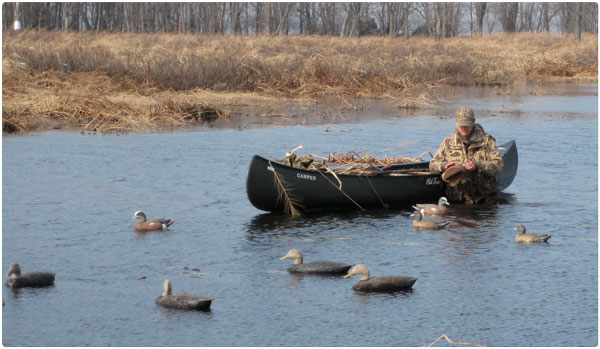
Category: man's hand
<point>449,164</point>
<point>470,165</point>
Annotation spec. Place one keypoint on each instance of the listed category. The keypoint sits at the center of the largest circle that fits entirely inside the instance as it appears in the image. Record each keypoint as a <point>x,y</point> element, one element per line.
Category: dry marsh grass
<point>135,82</point>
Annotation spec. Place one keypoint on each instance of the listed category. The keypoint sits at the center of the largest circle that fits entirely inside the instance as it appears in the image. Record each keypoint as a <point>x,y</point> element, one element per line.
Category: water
<point>68,200</point>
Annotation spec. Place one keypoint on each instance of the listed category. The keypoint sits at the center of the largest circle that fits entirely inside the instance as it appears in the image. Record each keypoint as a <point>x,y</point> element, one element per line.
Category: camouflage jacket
<point>481,148</point>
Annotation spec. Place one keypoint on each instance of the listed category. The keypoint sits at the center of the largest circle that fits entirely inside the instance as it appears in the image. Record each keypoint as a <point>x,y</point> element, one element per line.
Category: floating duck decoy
<point>187,301</point>
<point>433,209</point>
<point>29,279</point>
<point>380,283</point>
<point>318,267</point>
<point>523,237</point>
<point>143,225</point>
<point>420,223</point>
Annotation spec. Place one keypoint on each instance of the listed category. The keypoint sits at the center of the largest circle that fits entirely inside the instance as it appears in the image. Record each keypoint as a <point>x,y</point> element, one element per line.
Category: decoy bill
<point>381,283</point>
<point>154,224</point>
<point>318,267</point>
<point>28,279</point>
<point>526,238</point>
<point>186,301</point>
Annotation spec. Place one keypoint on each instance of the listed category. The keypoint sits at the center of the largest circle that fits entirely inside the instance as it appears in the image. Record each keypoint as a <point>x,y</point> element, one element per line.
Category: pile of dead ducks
<point>426,216</point>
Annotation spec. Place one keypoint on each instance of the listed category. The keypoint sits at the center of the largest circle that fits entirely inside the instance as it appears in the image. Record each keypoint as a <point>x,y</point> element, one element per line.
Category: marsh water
<point>68,200</point>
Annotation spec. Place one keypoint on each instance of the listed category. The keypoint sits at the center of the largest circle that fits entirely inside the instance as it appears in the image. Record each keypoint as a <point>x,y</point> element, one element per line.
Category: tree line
<point>352,19</point>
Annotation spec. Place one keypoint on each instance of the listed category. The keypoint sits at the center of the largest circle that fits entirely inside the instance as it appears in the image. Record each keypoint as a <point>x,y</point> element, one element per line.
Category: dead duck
<point>143,225</point>
<point>380,283</point>
<point>420,223</point>
<point>433,209</point>
<point>186,301</point>
<point>318,267</point>
<point>29,279</point>
<point>523,237</point>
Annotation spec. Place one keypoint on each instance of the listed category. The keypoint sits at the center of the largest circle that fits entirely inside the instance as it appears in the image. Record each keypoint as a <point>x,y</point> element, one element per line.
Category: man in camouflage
<point>476,150</point>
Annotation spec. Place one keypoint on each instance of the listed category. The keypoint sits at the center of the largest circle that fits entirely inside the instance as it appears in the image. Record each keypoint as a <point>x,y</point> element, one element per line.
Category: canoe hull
<point>268,183</point>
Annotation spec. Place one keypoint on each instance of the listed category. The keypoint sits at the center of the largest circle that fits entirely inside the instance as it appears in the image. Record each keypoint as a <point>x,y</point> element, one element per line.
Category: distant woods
<point>439,20</point>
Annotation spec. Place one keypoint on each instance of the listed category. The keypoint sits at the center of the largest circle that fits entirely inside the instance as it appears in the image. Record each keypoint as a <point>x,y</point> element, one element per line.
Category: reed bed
<point>352,162</point>
<point>136,82</point>
<point>361,157</point>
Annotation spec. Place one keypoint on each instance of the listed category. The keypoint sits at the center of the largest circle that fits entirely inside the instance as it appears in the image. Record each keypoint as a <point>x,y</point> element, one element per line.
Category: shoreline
<point>245,111</point>
<point>121,83</point>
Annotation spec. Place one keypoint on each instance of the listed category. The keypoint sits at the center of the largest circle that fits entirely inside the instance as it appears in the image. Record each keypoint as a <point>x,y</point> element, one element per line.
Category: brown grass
<point>135,82</point>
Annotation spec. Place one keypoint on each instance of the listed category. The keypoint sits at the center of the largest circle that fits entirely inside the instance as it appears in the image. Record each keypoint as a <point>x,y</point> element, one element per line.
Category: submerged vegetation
<point>118,82</point>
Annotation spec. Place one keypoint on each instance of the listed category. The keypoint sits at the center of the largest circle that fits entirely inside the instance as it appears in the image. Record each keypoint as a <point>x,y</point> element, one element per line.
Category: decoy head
<point>443,201</point>
<point>418,214</point>
<point>294,254</point>
<point>140,216</point>
<point>358,269</point>
<point>14,271</point>
<point>520,228</point>
<point>166,291</point>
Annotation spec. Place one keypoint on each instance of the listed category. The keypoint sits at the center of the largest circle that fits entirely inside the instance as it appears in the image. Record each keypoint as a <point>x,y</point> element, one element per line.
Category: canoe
<point>269,184</point>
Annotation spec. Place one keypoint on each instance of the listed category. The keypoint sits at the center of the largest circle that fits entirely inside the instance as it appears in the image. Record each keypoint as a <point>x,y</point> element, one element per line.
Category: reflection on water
<point>68,200</point>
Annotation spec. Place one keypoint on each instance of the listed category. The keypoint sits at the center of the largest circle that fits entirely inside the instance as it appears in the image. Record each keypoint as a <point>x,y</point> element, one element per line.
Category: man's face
<point>465,130</point>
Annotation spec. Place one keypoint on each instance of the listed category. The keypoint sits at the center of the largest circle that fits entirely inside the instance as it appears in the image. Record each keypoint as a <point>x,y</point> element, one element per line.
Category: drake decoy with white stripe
<point>154,224</point>
<point>433,209</point>
<point>318,267</point>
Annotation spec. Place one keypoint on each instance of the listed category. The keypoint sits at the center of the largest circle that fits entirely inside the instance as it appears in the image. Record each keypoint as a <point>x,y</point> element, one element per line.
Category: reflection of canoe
<point>310,190</point>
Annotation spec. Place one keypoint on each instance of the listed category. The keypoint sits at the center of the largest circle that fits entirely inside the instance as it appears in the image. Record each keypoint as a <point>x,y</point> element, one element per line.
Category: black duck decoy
<point>318,267</point>
<point>187,301</point>
<point>28,279</point>
<point>380,283</point>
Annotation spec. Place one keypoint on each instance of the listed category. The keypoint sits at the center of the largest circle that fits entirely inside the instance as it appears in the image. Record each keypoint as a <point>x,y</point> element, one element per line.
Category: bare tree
<point>590,17</point>
<point>527,16</point>
<point>479,14</point>
<point>308,17</point>
<point>394,18</point>
<point>351,25</point>
<point>545,20</point>
<point>578,20</point>
<point>235,12</point>
<point>328,13</point>
<point>440,13</point>
<point>407,8</point>
<point>508,16</point>
<point>387,18</point>
<point>454,13</point>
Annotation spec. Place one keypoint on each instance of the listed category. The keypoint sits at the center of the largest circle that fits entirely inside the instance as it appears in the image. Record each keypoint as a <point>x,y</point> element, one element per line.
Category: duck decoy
<point>28,279</point>
<point>318,267</point>
<point>420,223</point>
<point>380,283</point>
<point>433,209</point>
<point>154,224</point>
<point>187,301</point>
<point>523,237</point>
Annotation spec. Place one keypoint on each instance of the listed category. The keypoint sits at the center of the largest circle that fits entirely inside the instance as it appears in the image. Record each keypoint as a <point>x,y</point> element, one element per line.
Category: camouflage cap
<point>465,117</point>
